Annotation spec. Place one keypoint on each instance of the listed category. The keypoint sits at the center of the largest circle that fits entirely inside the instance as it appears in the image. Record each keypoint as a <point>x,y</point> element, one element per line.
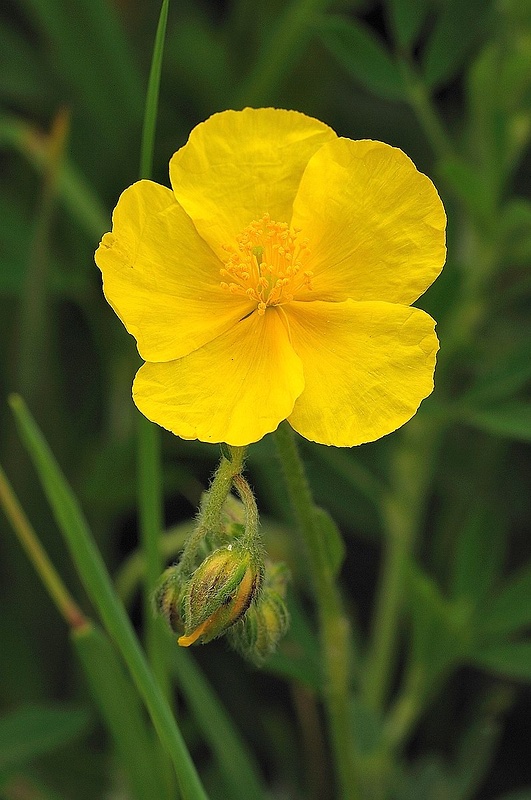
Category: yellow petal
<point>161,278</point>
<point>238,165</point>
<point>375,224</point>
<point>367,366</point>
<point>235,389</point>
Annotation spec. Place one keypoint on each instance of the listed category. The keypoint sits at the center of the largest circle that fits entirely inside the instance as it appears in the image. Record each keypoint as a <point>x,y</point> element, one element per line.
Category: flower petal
<point>238,165</point>
<point>367,366</point>
<point>235,389</point>
<point>161,278</point>
<point>375,224</point>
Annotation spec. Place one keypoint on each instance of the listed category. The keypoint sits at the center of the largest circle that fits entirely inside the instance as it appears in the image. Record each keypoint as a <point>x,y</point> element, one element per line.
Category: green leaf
<point>427,778</point>
<point>368,728</point>
<point>512,660</point>
<point>298,655</point>
<point>92,52</point>
<point>22,75</point>
<point>439,627</point>
<point>363,55</point>
<point>407,19</point>
<point>477,744</point>
<point>479,553</point>
<point>456,31</point>
<point>510,611</point>
<point>74,192</point>
<point>511,420</point>
<point>35,730</point>
<point>34,787</point>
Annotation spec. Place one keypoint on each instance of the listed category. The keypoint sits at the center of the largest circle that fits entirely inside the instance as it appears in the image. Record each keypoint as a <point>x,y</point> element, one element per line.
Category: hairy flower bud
<point>168,599</point>
<point>219,593</point>
<point>257,634</point>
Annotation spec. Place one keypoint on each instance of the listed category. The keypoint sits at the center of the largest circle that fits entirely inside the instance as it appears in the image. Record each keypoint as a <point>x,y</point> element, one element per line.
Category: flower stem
<point>210,513</point>
<point>333,624</point>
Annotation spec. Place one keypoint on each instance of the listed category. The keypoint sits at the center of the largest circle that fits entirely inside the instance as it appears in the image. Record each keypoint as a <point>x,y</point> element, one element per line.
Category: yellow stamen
<point>267,265</point>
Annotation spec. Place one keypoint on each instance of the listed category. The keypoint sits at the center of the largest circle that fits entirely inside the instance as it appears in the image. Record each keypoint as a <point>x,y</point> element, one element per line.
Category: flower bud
<point>257,635</point>
<point>168,599</point>
<point>219,593</point>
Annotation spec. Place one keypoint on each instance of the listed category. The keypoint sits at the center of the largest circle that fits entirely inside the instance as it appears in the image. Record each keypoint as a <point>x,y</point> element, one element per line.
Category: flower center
<point>267,264</point>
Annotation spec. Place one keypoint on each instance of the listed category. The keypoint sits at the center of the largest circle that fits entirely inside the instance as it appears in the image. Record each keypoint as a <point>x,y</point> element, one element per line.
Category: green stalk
<point>150,499</point>
<point>333,624</point>
<point>98,585</point>
<point>210,513</point>
<point>121,710</point>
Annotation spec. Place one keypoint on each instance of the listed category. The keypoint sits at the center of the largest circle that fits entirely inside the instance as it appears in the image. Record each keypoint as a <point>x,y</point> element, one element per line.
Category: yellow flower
<point>275,281</point>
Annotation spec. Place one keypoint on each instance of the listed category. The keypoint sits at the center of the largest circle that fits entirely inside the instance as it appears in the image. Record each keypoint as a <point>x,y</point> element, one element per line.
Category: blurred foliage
<point>442,699</point>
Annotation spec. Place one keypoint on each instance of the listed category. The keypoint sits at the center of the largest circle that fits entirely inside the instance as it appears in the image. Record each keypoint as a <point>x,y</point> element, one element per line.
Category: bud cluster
<point>221,584</point>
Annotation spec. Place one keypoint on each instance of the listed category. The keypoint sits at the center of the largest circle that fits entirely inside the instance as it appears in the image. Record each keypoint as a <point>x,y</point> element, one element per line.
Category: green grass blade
<point>149,474</point>
<point>152,98</point>
<point>119,705</point>
<point>98,585</point>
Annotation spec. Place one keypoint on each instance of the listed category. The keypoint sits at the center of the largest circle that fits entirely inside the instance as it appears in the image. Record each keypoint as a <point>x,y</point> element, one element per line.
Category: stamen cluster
<point>268,263</point>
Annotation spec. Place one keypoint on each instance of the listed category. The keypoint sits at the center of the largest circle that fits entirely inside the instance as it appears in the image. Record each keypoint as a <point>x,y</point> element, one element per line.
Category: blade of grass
<point>150,499</point>
<point>152,97</point>
<point>116,698</point>
<point>98,585</point>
